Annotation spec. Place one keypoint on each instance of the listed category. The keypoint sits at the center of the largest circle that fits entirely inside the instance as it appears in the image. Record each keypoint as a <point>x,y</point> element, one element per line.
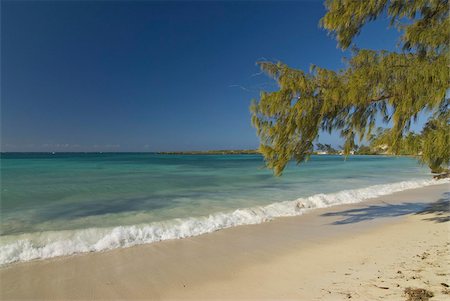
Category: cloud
<point>239,86</point>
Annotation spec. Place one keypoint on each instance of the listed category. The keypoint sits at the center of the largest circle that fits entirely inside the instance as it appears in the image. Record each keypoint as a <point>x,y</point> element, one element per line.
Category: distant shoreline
<point>214,152</point>
<point>257,152</point>
<point>207,152</point>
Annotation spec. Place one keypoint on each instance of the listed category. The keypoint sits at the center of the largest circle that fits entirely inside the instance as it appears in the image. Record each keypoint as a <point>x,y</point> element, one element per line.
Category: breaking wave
<point>26,247</point>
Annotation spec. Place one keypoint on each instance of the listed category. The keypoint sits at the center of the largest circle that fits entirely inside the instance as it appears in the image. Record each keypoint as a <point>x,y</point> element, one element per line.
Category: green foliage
<point>367,150</point>
<point>435,142</point>
<point>409,144</point>
<point>396,85</point>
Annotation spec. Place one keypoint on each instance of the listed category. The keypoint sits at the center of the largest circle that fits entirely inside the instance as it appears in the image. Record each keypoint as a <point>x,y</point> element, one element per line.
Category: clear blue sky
<point>151,76</point>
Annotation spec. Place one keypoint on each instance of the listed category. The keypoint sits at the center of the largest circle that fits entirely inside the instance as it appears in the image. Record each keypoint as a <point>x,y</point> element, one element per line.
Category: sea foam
<point>50,244</point>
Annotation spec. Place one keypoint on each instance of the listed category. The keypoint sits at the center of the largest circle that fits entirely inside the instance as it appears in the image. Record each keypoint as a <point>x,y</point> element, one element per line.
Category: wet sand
<point>366,251</point>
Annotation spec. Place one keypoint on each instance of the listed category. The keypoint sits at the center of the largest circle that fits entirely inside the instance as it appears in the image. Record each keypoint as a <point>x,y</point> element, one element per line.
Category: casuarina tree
<point>395,86</point>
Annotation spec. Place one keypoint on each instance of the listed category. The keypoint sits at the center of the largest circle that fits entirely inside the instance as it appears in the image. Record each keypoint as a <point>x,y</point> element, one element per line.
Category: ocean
<point>67,203</point>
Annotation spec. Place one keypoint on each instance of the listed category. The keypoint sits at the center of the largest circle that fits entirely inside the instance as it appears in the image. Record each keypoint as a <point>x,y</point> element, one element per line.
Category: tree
<point>366,150</point>
<point>410,144</point>
<point>394,85</point>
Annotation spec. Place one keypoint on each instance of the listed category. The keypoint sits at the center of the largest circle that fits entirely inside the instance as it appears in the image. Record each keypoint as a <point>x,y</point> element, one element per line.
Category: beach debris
<point>346,294</point>
<point>382,287</point>
<point>444,284</point>
<point>418,294</point>
<point>300,205</point>
<point>444,175</point>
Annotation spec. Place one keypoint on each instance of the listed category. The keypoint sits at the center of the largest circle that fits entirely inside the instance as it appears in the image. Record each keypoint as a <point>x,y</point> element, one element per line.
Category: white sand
<point>367,251</point>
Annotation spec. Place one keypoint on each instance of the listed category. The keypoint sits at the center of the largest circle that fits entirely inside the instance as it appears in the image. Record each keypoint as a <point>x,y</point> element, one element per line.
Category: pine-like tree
<point>395,85</point>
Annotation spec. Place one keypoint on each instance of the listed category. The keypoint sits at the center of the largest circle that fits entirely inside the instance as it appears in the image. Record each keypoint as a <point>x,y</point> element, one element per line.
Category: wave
<point>50,244</point>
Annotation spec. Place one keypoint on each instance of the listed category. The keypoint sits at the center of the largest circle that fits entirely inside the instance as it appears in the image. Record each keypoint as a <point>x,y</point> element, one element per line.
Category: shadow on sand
<point>441,209</point>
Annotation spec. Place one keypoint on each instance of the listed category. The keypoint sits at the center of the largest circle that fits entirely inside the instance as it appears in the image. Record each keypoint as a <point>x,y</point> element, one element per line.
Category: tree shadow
<point>441,210</point>
<point>371,212</point>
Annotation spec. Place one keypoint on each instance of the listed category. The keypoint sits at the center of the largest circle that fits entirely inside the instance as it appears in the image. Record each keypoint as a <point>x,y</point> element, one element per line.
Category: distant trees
<point>326,148</point>
<point>394,85</point>
<point>368,150</point>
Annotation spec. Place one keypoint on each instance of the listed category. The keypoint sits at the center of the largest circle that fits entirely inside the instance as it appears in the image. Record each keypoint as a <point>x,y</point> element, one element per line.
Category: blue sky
<point>151,76</point>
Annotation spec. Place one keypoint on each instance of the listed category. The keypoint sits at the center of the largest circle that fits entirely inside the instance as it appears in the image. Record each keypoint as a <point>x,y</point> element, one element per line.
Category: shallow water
<point>70,203</point>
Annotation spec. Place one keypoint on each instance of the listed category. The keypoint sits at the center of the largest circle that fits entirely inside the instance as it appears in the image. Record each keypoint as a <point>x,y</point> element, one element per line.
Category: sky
<point>152,76</point>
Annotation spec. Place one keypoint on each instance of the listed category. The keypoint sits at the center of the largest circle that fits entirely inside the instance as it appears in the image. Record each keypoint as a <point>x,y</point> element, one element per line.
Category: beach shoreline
<point>66,242</point>
<point>302,257</point>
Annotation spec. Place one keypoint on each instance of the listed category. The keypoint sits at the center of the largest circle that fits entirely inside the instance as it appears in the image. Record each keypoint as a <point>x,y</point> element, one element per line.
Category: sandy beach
<point>366,251</point>
<point>225,150</point>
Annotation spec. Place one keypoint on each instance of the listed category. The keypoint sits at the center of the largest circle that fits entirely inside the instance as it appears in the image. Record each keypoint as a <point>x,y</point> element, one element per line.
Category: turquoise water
<point>47,193</point>
<point>69,191</point>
